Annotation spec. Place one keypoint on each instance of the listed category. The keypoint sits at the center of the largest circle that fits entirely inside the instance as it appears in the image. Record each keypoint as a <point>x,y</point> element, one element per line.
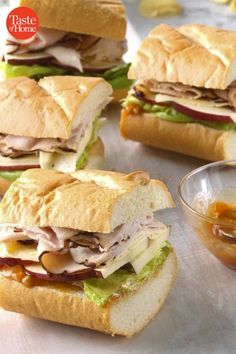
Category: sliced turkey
<point>89,249</point>
<point>68,50</point>
<point>15,146</point>
<point>150,88</point>
<point>44,38</point>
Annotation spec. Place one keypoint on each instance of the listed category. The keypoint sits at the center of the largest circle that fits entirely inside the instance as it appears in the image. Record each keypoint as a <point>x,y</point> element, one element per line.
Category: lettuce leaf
<point>117,77</point>
<point>34,71</point>
<point>82,162</point>
<point>123,280</point>
<point>171,114</point>
<point>11,175</point>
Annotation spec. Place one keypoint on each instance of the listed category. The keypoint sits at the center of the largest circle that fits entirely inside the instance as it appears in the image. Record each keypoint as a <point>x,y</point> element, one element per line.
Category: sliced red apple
<point>38,272</point>
<point>14,261</point>
<point>18,167</point>
<point>195,114</point>
<point>200,115</point>
<point>20,163</point>
<point>28,58</point>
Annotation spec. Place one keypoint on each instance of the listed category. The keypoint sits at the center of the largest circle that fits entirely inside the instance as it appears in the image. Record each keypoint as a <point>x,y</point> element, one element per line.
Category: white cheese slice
<point>118,263</point>
<point>141,243</point>
<point>14,249</point>
<point>30,160</point>
<point>147,255</point>
<point>204,106</point>
<point>65,161</point>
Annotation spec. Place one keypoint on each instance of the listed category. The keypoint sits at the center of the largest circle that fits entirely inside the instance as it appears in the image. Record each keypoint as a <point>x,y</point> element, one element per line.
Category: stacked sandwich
<point>184,99</point>
<point>52,123</point>
<point>85,249</point>
<point>75,38</point>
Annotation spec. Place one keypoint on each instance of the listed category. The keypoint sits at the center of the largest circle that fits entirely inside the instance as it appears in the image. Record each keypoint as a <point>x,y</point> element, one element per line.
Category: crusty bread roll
<point>187,138</point>
<point>4,185</point>
<point>51,107</point>
<point>47,198</point>
<point>95,160</point>
<point>102,18</point>
<point>124,316</point>
<point>194,55</point>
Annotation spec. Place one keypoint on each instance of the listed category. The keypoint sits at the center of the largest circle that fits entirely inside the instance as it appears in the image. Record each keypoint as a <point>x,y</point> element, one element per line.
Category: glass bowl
<point>215,182</point>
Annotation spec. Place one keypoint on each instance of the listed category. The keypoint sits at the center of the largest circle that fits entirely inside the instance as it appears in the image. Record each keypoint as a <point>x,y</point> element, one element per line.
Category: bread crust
<point>195,55</point>
<point>101,18</point>
<point>49,196</point>
<point>48,108</point>
<point>187,138</point>
<point>4,185</point>
<point>60,303</point>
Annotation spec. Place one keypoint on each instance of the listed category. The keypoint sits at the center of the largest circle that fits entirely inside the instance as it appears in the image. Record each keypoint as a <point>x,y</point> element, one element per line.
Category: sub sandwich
<point>85,250</point>
<point>78,37</point>
<point>184,99</point>
<point>52,123</point>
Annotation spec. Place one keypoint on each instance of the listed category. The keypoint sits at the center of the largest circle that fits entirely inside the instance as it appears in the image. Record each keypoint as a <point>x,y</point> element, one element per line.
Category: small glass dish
<point>198,191</point>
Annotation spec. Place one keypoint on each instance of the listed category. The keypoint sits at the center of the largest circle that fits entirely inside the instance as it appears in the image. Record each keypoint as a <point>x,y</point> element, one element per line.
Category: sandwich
<point>85,250</point>
<point>52,123</point>
<point>75,38</point>
<point>184,99</point>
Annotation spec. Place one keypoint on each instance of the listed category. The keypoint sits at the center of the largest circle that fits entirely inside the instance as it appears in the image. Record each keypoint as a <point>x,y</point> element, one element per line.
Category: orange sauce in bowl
<point>220,239</point>
<point>224,212</point>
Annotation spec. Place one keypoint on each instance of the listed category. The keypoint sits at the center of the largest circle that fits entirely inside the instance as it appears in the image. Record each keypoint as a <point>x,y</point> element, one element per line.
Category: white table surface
<point>199,316</point>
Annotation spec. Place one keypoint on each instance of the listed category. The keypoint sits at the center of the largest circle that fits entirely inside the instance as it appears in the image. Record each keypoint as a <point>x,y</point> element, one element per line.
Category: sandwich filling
<point>184,104</point>
<point>104,265</point>
<point>19,153</point>
<point>53,52</point>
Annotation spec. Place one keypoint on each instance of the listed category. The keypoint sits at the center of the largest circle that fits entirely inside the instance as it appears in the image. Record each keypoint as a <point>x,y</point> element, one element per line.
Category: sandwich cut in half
<point>77,37</point>
<point>52,123</point>
<point>184,99</point>
<point>85,250</point>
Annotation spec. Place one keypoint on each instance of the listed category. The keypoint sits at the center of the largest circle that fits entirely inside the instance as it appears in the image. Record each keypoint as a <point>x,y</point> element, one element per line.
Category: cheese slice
<point>143,241</point>
<point>65,161</point>
<point>148,254</point>
<point>204,106</point>
<point>59,263</point>
<point>117,264</point>
<point>14,249</point>
<point>30,160</point>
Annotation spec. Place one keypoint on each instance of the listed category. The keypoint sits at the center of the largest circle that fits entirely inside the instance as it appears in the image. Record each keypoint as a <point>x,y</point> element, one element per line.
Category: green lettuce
<point>34,71</point>
<point>82,162</point>
<point>117,77</point>
<point>123,280</point>
<point>10,175</point>
<point>171,114</point>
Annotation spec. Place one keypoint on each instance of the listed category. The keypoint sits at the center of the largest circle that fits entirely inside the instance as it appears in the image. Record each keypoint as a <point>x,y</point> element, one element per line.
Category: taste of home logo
<point>22,23</point>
